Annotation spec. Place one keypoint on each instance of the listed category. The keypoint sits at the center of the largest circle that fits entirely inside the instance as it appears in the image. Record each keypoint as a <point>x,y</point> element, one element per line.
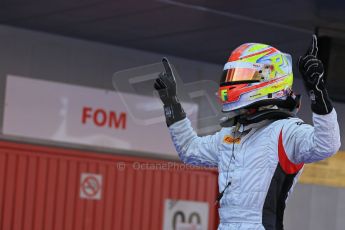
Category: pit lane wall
<point>53,188</point>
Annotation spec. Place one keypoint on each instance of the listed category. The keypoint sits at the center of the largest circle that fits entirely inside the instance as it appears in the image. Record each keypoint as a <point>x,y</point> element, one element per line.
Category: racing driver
<point>262,146</point>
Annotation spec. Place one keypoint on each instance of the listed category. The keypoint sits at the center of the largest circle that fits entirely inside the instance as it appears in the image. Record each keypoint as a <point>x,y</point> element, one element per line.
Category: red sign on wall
<point>102,118</point>
<point>91,186</point>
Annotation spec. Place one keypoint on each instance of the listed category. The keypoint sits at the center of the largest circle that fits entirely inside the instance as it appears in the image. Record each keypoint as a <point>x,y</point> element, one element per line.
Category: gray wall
<point>73,61</point>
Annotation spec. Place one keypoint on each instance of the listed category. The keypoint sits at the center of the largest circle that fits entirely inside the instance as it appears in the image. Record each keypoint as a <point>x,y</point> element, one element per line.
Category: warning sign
<point>91,186</point>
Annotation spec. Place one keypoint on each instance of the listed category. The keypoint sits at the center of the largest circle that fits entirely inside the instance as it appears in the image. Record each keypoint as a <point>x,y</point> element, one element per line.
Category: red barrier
<point>40,189</point>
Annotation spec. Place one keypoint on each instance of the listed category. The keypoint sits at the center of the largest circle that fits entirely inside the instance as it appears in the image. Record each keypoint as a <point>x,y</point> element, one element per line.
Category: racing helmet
<point>255,73</point>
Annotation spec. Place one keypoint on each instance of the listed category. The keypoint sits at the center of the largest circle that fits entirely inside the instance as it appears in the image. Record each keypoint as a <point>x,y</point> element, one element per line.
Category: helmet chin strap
<point>246,119</point>
<point>269,114</point>
<point>275,110</point>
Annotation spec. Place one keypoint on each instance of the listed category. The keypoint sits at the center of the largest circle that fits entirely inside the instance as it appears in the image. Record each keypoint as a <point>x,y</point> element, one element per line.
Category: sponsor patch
<point>230,139</point>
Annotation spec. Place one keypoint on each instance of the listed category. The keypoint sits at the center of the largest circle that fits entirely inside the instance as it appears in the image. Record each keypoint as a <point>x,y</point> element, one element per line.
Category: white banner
<point>66,113</point>
<point>185,215</point>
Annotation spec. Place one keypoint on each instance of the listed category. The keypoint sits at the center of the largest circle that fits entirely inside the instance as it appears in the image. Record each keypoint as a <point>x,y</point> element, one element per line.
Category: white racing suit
<point>267,159</point>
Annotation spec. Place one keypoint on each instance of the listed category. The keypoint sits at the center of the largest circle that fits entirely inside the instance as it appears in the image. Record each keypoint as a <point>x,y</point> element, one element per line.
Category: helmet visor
<point>242,72</point>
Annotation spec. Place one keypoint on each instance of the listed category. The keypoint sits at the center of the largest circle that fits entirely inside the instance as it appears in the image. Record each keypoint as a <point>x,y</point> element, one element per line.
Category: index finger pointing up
<point>166,65</point>
<point>313,49</point>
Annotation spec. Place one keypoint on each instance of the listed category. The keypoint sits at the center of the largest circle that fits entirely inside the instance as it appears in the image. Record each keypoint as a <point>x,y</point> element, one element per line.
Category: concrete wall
<point>73,61</point>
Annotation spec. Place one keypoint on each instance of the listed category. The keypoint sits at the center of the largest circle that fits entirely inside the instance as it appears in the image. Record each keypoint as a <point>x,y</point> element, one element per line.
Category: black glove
<point>165,84</point>
<point>312,72</point>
